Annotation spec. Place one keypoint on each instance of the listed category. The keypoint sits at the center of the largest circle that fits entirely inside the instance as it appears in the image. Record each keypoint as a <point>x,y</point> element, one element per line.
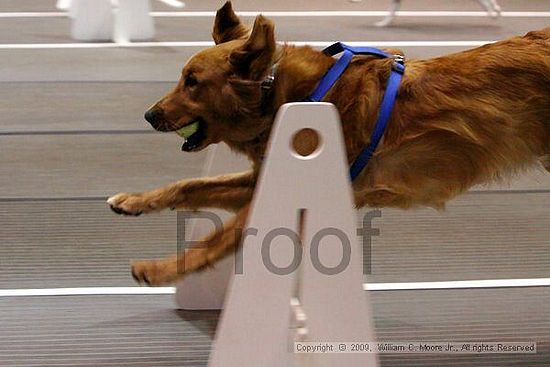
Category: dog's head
<point>219,94</point>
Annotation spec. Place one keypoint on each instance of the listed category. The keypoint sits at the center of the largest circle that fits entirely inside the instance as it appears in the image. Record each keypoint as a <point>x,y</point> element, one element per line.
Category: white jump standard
<point>256,326</point>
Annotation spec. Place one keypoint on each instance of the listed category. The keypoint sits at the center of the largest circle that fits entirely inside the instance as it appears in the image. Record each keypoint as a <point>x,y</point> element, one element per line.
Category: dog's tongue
<point>193,135</point>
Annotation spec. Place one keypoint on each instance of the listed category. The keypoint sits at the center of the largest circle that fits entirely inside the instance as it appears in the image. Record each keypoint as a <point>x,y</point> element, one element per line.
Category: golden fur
<point>468,118</point>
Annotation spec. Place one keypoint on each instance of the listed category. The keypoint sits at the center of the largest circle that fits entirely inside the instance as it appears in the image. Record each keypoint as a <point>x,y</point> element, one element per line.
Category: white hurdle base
<point>205,290</point>
<point>101,20</point>
<point>133,21</point>
<point>256,326</point>
<point>91,20</point>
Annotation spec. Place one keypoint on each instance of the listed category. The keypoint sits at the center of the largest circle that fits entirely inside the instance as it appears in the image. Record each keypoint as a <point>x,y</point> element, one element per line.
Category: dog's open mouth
<point>194,134</point>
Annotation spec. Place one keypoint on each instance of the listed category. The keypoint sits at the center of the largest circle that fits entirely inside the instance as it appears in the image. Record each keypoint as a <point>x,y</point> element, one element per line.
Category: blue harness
<point>388,101</point>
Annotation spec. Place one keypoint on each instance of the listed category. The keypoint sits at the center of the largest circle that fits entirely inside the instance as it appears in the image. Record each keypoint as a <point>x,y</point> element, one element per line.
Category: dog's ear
<point>227,25</point>
<point>253,59</point>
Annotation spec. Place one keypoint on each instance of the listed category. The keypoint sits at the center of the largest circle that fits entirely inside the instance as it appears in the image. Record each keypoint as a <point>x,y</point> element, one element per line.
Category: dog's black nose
<point>153,116</point>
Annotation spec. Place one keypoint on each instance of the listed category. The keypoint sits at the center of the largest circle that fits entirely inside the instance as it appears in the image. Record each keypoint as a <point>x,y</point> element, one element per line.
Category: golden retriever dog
<point>469,118</point>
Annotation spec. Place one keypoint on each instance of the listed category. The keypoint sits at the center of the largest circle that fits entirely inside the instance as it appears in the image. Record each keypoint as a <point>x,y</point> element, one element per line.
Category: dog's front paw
<point>154,272</point>
<point>131,204</point>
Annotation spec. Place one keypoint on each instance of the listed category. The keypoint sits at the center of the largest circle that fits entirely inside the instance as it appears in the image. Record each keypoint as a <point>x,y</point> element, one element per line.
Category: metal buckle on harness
<point>267,83</point>
<point>398,63</point>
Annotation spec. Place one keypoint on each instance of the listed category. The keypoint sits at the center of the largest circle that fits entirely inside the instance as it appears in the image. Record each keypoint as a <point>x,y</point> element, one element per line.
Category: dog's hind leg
<point>214,247</point>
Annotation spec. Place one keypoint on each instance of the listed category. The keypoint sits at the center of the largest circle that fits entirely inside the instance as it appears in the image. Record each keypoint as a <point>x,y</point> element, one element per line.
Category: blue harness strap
<point>388,101</point>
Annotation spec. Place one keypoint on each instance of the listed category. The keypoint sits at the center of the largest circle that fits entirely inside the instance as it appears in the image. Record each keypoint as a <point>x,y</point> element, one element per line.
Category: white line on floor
<point>458,284</point>
<point>88,291</point>
<point>337,13</point>
<point>9,46</point>
<point>33,14</point>
<point>461,284</point>
<point>328,13</point>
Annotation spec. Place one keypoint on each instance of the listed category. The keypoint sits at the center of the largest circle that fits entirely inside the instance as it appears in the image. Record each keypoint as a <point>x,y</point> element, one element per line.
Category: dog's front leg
<point>212,248</point>
<point>230,192</point>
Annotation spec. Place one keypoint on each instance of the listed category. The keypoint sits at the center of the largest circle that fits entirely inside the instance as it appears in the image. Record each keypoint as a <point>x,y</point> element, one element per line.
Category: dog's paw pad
<point>130,204</point>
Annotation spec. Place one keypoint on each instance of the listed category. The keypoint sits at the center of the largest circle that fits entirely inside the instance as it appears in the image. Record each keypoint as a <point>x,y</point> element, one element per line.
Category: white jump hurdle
<point>205,290</point>
<point>119,20</point>
<point>271,304</point>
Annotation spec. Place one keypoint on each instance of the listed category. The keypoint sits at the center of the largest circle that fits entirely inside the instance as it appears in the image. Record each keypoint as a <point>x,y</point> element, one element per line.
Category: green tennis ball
<point>187,131</point>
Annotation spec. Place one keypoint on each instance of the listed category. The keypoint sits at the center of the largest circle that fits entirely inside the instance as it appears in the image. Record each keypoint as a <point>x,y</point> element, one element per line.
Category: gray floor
<point>55,30</point>
<point>148,331</point>
<point>72,133</point>
<point>255,5</point>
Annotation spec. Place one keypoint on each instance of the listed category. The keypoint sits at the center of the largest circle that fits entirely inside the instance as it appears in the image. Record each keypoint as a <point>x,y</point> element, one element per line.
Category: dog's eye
<point>190,81</point>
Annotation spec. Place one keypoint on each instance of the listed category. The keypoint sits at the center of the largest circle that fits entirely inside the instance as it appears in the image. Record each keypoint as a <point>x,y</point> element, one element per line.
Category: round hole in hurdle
<point>306,143</point>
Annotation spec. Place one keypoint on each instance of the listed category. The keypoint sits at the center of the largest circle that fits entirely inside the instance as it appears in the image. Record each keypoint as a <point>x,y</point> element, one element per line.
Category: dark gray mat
<point>480,236</point>
<point>27,5</point>
<point>112,65</point>
<point>77,243</point>
<point>462,315</point>
<point>72,243</point>
<point>50,107</point>
<point>121,64</point>
<point>146,331</point>
<point>92,165</point>
<point>56,29</point>
<point>102,331</point>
